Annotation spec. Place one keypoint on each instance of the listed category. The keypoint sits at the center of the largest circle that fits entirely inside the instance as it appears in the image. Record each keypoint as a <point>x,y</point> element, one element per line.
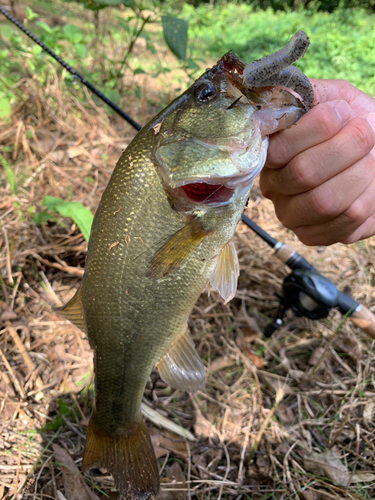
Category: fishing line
<point>72,71</point>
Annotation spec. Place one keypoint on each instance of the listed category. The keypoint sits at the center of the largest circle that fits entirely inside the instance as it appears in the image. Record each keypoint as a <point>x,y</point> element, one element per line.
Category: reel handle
<point>364,319</point>
<point>291,258</point>
<point>361,317</point>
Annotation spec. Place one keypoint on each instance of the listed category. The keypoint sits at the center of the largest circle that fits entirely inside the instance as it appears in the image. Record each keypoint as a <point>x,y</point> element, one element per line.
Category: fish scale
<point>156,242</point>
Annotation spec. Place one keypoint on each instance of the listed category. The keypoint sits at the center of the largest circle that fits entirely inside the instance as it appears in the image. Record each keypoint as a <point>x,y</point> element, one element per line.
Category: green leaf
<point>72,33</point>
<point>45,27</point>
<point>42,217</point>
<point>81,50</point>
<point>73,209</point>
<point>124,25</point>
<point>108,2</point>
<point>128,3</point>
<point>5,107</point>
<point>50,202</point>
<point>35,50</point>
<point>113,94</point>
<point>192,64</point>
<point>80,214</point>
<point>9,174</point>
<point>175,34</point>
<point>139,71</point>
<point>30,15</point>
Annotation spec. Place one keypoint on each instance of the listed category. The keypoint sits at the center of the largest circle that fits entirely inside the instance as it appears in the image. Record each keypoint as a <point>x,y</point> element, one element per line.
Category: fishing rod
<point>71,70</point>
<point>305,291</point>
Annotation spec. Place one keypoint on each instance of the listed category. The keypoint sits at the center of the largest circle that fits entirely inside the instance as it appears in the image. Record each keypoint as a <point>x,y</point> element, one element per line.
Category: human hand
<point>320,173</point>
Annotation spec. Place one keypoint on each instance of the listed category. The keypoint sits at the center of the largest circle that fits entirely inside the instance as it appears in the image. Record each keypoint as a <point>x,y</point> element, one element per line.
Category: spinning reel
<point>307,292</point>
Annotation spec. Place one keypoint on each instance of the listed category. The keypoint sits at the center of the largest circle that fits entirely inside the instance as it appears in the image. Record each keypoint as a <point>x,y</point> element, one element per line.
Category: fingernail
<point>343,110</point>
<point>371,119</point>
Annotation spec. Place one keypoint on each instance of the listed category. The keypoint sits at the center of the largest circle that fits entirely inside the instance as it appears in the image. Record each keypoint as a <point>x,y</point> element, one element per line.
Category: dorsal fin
<point>177,249</point>
<point>224,276</point>
<point>73,311</point>
<point>181,367</point>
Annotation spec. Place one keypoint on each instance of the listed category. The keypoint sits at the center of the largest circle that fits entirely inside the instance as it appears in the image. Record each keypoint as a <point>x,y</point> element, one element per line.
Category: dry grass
<point>268,407</point>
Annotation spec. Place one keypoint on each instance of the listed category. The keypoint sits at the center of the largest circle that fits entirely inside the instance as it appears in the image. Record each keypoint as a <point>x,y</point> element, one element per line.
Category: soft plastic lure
<point>276,69</point>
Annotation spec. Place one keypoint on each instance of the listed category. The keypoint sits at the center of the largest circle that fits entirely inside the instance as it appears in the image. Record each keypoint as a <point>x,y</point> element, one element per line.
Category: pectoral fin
<point>181,367</point>
<point>176,250</point>
<point>224,276</point>
<point>73,311</point>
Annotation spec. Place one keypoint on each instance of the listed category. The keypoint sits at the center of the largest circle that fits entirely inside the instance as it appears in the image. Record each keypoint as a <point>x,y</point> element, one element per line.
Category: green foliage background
<point>342,42</point>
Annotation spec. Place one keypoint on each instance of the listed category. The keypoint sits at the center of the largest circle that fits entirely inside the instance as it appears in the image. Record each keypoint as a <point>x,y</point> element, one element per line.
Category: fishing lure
<point>276,69</point>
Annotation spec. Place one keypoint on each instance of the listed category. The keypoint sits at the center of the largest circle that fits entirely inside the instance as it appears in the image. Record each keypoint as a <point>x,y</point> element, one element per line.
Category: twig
<point>8,263</point>
<point>279,397</point>
<point>25,355</point>
<point>15,381</point>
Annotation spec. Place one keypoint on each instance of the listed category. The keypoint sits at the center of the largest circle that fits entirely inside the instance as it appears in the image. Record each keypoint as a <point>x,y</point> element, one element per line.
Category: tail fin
<point>130,458</point>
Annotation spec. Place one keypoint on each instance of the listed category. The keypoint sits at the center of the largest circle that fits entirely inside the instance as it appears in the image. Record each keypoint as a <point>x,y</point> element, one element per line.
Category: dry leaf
<point>251,331</point>
<point>369,411</point>
<point>309,495</point>
<point>175,475</point>
<point>316,355</point>
<point>157,127</point>
<point>77,151</point>
<point>285,414</point>
<point>247,334</point>
<point>263,463</point>
<point>328,464</point>
<point>74,484</point>
<point>165,441</point>
<point>363,477</point>
<point>200,460</point>
<point>203,427</point>
<point>257,360</point>
<point>221,363</point>
<point>8,316</point>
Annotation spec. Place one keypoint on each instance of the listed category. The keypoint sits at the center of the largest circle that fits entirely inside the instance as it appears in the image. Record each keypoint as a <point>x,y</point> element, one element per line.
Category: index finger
<point>320,124</point>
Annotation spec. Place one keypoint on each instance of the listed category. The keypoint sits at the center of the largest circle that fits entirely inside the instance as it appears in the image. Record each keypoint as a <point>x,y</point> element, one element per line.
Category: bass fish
<point>162,231</point>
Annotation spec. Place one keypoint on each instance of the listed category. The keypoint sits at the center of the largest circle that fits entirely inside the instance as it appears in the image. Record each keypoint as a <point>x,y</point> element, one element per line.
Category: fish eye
<point>206,92</point>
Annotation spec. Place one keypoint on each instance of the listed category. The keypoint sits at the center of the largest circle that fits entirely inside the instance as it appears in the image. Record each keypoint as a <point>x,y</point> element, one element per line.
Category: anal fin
<point>177,249</point>
<point>181,367</point>
<point>73,311</point>
<point>224,277</point>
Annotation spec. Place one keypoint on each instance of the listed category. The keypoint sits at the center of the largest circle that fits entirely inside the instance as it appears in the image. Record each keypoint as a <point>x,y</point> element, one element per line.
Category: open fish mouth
<point>201,192</point>
<point>220,190</point>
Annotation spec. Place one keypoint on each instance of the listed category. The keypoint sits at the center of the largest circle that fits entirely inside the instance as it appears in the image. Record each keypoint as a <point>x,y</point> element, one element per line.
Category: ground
<point>286,417</point>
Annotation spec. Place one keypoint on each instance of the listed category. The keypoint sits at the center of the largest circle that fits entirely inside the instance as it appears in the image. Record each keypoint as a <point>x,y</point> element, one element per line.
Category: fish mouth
<point>202,192</point>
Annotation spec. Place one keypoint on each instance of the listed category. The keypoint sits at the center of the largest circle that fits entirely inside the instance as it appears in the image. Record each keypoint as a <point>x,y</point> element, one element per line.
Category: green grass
<point>342,43</point>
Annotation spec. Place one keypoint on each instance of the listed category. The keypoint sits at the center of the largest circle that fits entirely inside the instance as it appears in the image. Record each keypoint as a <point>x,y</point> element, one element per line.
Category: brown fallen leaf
<point>363,477</point>
<point>328,464</point>
<point>257,360</point>
<point>309,495</point>
<point>174,474</point>
<point>221,362</point>
<point>165,441</point>
<point>316,355</point>
<point>157,127</point>
<point>369,412</point>
<point>202,426</point>
<point>74,484</point>
<point>285,413</point>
